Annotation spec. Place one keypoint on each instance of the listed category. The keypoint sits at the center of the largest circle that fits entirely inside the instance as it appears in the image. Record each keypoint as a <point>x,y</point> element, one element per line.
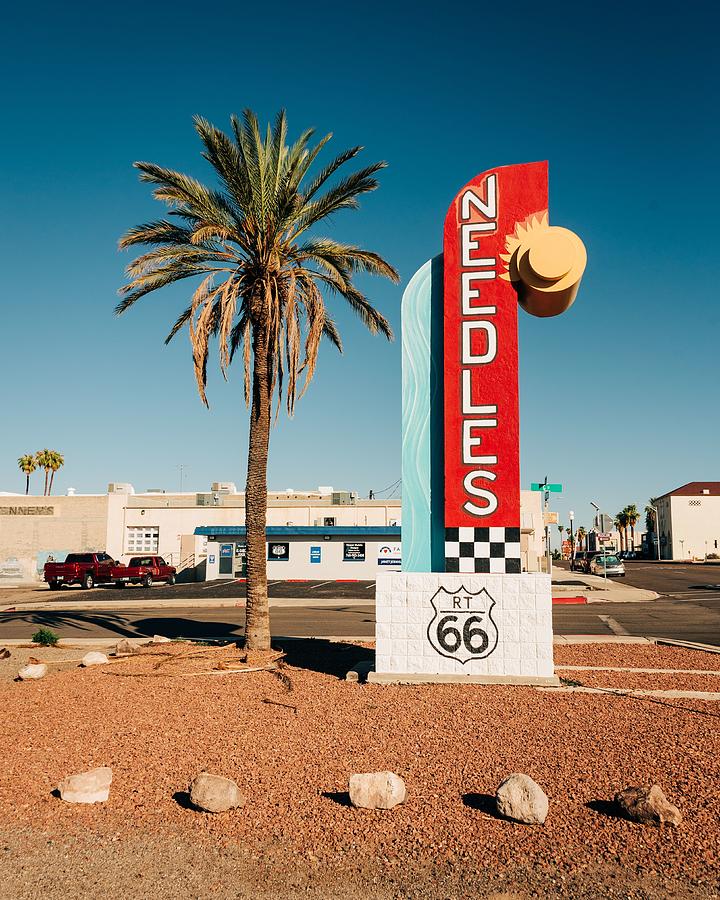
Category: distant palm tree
<point>650,522</point>
<point>43,459</point>
<point>581,536</point>
<point>620,523</point>
<point>632,515</point>
<point>252,235</point>
<point>57,460</point>
<point>27,465</point>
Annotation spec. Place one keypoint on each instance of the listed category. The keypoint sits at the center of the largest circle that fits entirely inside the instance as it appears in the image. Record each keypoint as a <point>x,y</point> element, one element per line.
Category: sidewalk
<point>597,589</point>
<point>564,584</point>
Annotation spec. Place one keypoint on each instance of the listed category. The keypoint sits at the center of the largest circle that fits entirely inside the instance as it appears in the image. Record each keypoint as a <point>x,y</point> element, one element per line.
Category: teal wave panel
<point>422,420</point>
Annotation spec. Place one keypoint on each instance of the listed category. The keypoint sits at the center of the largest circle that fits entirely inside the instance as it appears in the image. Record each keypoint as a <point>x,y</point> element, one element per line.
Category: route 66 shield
<point>463,627</point>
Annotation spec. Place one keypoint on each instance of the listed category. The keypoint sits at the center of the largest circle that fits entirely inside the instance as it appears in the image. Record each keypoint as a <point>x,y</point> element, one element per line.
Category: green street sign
<point>553,488</point>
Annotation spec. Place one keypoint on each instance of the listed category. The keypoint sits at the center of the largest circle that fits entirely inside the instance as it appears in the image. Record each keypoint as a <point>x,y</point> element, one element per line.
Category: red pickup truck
<point>85,569</point>
<point>143,570</point>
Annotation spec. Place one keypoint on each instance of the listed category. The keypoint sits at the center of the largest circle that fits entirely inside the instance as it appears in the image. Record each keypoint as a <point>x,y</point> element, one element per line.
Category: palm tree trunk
<point>52,476</point>
<point>46,483</point>
<point>632,537</point>
<point>257,611</point>
<point>27,484</point>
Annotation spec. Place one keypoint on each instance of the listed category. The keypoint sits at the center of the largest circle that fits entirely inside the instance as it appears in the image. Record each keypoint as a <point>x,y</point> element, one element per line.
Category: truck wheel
<point>171,579</point>
<point>87,581</point>
<point>147,581</point>
<point>54,585</point>
<point>119,584</point>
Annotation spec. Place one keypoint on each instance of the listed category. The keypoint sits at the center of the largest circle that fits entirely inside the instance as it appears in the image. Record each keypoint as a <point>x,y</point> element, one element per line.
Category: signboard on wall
<point>279,551</point>
<point>389,555</point>
<point>353,552</point>
<point>315,554</point>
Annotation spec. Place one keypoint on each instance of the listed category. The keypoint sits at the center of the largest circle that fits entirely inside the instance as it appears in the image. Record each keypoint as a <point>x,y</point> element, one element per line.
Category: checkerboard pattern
<point>483,550</point>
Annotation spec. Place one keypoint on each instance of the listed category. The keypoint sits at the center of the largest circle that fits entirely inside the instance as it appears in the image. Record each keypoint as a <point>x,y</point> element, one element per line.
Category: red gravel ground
<point>292,752</point>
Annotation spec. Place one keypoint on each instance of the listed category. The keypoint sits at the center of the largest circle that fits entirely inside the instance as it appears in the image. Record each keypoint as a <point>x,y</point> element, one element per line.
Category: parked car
<point>143,570</point>
<point>608,565</point>
<point>578,564</point>
<point>85,569</point>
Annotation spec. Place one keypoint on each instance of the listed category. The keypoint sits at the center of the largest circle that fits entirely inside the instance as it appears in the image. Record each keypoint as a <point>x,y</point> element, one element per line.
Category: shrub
<point>713,556</point>
<point>45,638</point>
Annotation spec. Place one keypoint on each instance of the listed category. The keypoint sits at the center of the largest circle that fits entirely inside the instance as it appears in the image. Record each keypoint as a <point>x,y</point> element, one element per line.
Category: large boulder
<point>213,793</point>
<point>32,671</point>
<point>94,658</point>
<point>648,805</point>
<point>377,790</point>
<point>87,787</point>
<point>519,798</point>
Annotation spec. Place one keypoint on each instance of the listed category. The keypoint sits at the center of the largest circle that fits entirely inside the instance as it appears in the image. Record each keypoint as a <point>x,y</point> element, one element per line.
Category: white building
<point>689,521</point>
<point>311,534</point>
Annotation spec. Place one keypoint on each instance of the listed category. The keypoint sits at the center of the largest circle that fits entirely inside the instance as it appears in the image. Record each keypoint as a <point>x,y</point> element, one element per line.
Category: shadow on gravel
<point>328,657</point>
<point>342,798</point>
<point>484,803</point>
<point>607,808</point>
<point>182,798</point>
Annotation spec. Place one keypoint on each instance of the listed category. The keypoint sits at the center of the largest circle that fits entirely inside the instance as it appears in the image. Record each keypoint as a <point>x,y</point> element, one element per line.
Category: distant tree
<point>265,277</point>
<point>619,523</point>
<point>581,536</point>
<point>27,465</point>
<point>42,460</point>
<point>57,460</point>
<point>650,523</point>
<point>631,515</point>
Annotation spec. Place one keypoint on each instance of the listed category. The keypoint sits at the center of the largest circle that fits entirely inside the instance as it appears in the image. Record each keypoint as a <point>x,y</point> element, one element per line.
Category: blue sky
<point>619,396</point>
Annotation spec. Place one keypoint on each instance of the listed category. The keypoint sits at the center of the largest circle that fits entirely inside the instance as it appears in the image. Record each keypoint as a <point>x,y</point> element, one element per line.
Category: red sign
<point>482,448</point>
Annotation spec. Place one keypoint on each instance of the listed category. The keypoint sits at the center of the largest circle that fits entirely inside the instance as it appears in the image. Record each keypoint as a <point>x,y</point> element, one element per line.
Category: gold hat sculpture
<point>544,264</point>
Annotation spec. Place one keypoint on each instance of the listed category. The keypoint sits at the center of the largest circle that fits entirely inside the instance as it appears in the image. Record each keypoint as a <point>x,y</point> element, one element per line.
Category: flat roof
<point>314,530</point>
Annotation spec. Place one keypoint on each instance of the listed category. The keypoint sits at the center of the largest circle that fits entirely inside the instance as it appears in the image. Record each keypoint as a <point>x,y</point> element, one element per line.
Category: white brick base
<point>472,626</point>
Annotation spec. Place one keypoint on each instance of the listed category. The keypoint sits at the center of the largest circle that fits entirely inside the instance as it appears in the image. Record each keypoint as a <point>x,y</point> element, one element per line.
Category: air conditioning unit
<point>342,498</point>
<point>224,487</point>
<point>120,487</point>
<point>326,522</point>
<point>204,499</point>
<point>155,491</point>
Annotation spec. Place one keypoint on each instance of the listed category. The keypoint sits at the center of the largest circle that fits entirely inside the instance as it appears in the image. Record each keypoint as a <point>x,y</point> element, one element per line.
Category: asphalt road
<point>683,620</point>
<point>689,609</point>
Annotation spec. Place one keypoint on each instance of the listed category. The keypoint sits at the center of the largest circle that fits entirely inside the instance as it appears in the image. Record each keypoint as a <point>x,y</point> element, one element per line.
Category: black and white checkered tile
<point>494,550</point>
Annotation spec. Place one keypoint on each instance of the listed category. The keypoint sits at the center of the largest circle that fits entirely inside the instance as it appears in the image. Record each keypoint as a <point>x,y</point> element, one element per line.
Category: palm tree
<point>619,523</point>
<point>632,515</point>
<point>581,536</point>
<point>263,281</point>
<point>42,460</point>
<point>27,466</point>
<point>56,461</point>
<point>650,522</point>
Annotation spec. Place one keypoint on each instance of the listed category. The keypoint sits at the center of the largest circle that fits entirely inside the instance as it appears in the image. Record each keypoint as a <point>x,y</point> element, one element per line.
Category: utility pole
<point>182,468</point>
<point>548,557</point>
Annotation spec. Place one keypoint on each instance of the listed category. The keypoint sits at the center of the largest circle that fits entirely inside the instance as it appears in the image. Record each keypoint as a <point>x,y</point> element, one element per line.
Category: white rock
<point>31,671</point>
<point>213,793</point>
<point>125,647</point>
<point>87,787</point>
<point>518,797</point>
<point>159,639</point>
<point>377,790</point>
<point>94,658</point>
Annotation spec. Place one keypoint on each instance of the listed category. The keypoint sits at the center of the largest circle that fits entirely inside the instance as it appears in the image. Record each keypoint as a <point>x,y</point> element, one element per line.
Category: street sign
<point>553,488</point>
<point>604,537</point>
